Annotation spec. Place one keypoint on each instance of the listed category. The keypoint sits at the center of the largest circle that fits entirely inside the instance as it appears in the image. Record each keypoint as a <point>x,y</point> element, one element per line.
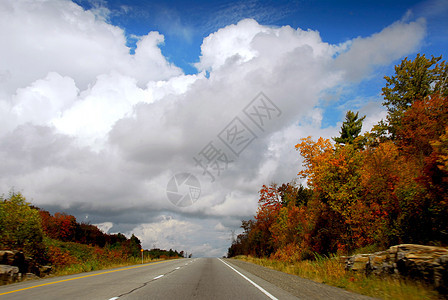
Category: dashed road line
<point>145,283</point>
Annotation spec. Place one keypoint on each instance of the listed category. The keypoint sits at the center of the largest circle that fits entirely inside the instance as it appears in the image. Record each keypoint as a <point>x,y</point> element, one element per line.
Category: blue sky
<point>103,103</point>
<point>186,24</point>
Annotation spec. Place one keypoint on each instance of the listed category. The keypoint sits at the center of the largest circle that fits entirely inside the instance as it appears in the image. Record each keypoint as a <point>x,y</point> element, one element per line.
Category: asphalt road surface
<point>200,278</point>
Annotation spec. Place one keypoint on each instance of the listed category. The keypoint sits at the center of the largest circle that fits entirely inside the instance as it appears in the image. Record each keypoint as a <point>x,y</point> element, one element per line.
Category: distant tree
<point>61,226</point>
<point>134,246</point>
<point>242,245</point>
<point>117,239</point>
<point>351,128</point>
<point>92,235</point>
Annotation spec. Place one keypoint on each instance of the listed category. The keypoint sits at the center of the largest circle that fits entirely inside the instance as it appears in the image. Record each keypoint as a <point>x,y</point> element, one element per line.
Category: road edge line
<point>253,283</point>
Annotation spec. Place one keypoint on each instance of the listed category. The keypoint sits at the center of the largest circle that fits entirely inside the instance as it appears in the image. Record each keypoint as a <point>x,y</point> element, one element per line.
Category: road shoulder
<point>295,285</point>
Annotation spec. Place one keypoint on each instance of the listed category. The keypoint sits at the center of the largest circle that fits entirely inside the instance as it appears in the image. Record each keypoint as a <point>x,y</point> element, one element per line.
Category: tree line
<point>369,191</point>
<point>41,235</point>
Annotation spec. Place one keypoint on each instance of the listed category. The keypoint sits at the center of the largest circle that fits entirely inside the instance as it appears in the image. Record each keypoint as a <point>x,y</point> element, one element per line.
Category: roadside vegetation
<point>330,271</point>
<point>364,192</point>
<point>63,243</point>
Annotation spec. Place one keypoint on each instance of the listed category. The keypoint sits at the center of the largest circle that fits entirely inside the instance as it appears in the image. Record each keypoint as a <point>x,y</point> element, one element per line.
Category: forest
<point>364,192</point>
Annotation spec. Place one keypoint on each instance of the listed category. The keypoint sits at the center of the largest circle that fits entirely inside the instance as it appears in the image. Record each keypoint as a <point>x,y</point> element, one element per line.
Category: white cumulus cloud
<point>89,128</point>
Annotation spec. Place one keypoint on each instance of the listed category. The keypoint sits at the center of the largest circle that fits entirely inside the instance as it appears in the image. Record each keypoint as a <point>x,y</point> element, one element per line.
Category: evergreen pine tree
<point>350,129</point>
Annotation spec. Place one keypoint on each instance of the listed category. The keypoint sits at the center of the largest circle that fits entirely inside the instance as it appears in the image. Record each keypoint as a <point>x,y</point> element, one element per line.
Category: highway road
<point>199,278</point>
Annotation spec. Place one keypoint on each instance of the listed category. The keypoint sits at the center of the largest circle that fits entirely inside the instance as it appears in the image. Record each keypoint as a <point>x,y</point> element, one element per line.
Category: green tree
<point>134,246</point>
<point>350,129</point>
<point>20,226</point>
<point>413,80</point>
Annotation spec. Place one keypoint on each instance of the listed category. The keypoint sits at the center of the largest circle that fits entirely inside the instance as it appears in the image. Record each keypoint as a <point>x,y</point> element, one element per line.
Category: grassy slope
<point>71,258</point>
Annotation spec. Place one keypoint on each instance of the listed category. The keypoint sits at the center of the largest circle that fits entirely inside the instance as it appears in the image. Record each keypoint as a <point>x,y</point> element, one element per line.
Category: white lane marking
<point>157,277</point>
<point>177,268</point>
<point>253,283</point>
<point>114,298</point>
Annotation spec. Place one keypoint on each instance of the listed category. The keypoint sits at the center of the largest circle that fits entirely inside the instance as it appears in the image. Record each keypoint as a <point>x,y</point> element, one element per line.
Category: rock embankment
<point>418,262</point>
<point>14,266</point>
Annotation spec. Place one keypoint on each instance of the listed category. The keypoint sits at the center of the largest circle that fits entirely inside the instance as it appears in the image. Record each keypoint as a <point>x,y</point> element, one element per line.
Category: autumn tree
<point>440,146</point>
<point>59,226</point>
<point>334,174</point>
<point>422,123</point>
<point>290,233</point>
<point>313,152</point>
<point>395,198</point>
<point>269,205</point>
<point>413,80</point>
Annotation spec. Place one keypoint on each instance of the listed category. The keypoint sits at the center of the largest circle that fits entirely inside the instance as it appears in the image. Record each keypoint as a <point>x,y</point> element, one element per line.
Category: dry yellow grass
<point>331,271</point>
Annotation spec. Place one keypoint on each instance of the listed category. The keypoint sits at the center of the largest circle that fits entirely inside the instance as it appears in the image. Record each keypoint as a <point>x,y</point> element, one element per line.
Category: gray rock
<point>8,274</point>
<point>419,262</point>
<point>15,266</point>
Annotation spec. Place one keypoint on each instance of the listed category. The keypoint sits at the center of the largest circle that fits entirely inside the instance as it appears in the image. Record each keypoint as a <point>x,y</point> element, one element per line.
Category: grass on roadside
<point>330,271</point>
